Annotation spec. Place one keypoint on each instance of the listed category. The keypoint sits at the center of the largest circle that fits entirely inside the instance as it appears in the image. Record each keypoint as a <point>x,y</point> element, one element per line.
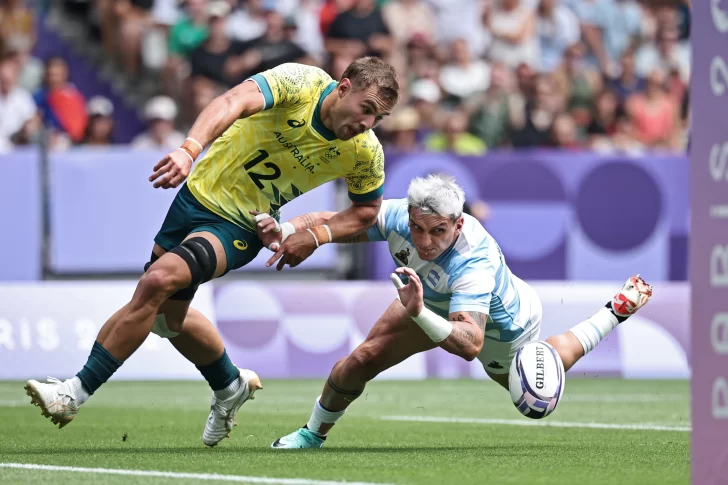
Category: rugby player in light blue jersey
<point>459,295</point>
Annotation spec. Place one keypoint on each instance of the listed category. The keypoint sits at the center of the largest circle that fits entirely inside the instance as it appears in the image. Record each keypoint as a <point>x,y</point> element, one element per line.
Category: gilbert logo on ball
<point>536,379</point>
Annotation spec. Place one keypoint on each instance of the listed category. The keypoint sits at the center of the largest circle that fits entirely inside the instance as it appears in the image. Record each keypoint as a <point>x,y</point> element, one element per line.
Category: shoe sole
<point>35,400</point>
<point>274,447</point>
<point>254,383</point>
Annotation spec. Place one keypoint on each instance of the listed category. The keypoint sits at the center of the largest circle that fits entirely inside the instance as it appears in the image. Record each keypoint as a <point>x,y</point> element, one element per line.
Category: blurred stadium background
<point>566,122</point>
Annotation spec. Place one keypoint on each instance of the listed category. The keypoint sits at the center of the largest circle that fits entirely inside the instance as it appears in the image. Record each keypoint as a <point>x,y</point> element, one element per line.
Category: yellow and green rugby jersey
<point>268,159</point>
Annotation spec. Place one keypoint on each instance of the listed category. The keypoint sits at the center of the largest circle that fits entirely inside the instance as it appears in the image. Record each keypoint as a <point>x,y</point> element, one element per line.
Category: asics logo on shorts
<point>296,124</point>
<point>241,245</point>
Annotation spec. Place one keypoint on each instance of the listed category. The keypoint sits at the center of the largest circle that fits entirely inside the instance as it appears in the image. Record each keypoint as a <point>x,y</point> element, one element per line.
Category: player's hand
<point>172,170</point>
<point>268,229</point>
<point>296,248</point>
<point>411,295</point>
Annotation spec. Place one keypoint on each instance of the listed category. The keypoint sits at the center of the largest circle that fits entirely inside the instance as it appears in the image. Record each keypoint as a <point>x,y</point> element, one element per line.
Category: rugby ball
<point>536,379</point>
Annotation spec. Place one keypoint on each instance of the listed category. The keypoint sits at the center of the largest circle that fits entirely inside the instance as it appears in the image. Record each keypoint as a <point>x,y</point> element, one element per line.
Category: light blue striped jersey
<point>471,275</point>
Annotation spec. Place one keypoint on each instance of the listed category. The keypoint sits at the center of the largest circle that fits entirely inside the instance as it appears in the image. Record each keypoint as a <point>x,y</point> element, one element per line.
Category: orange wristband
<point>192,147</point>
<point>321,234</point>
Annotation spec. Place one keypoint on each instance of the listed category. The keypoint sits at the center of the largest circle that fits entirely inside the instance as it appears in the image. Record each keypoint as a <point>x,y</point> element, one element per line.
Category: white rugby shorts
<point>497,356</point>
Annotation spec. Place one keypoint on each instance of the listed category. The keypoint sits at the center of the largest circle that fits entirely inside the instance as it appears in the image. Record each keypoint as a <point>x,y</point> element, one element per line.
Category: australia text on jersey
<point>331,153</point>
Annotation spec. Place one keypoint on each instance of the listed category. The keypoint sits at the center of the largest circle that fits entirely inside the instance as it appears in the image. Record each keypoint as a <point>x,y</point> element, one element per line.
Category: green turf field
<point>157,426</point>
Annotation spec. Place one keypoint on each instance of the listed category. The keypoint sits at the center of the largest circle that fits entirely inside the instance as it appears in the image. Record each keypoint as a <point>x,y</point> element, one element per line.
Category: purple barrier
<point>572,216</point>
<point>291,330</point>
<point>21,224</point>
<point>709,239</point>
<point>300,329</point>
<point>105,213</point>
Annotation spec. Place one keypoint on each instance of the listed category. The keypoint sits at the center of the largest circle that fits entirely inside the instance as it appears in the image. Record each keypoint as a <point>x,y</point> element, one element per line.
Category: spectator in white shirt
<point>18,112</point>
<point>30,68</point>
<point>463,77</point>
<point>248,21</point>
<point>557,28</point>
<point>460,18</point>
<point>513,28</point>
<point>667,54</point>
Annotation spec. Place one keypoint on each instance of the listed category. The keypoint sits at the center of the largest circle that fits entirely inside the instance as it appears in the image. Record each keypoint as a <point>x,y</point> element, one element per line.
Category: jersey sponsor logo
<point>296,123</point>
<point>403,255</point>
<point>297,155</point>
<point>241,245</point>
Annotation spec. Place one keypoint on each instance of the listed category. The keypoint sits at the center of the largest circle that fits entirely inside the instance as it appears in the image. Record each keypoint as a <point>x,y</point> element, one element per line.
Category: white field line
<point>192,476</point>
<point>13,403</point>
<point>591,398</point>
<point>617,398</point>
<point>546,423</point>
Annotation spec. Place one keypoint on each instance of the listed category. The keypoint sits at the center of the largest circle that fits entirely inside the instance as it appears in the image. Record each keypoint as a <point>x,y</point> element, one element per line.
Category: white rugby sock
<point>227,392</point>
<point>590,332</point>
<point>79,393</point>
<point>322,420</point>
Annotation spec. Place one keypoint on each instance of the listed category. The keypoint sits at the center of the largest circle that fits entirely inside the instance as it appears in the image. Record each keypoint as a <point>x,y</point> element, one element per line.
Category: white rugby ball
<point>536,379</point>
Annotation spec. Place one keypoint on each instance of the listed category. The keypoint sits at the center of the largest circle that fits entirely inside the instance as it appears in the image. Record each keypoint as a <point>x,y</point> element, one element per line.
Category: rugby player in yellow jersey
<point>275,136</point>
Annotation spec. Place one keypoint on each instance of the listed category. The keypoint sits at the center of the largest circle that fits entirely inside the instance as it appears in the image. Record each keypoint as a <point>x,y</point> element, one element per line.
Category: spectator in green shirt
<point>185,36</point>
<point>455,138</point>
<point>191,31</point>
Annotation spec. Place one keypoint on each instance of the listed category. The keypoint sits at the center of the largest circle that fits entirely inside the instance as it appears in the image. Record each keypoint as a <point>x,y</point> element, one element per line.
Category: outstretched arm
<point>346,226</point>
<point>273,234</point>
<point>356,219</point>
<point>301,223</point>
<point>462,334</point>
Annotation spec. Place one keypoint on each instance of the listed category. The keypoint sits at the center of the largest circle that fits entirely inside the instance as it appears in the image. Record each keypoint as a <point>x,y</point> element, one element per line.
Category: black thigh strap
<point>200,257</point>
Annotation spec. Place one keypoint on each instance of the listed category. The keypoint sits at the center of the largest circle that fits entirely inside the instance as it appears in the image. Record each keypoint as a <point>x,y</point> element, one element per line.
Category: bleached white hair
<point>436,194</point>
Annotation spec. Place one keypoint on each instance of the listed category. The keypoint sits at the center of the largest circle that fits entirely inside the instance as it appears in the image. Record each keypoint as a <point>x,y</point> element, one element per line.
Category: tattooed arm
<point>468,332</point>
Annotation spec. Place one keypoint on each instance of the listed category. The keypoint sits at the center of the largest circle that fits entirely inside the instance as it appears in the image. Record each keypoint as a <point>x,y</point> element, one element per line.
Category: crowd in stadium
<point>476,74</point>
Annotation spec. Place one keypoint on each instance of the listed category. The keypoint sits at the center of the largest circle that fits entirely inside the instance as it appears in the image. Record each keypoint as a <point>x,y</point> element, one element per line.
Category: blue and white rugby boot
<point>301,438</point>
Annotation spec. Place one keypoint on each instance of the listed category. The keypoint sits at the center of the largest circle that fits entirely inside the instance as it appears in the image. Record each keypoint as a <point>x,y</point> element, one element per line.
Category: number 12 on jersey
<point>257,177</point>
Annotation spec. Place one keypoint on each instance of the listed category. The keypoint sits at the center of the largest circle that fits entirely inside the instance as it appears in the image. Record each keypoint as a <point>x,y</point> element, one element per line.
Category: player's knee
<point>364,361</point>
<point>158,281</point>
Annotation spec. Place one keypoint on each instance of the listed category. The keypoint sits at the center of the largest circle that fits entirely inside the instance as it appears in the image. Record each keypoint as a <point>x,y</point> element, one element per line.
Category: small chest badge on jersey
<point>403,255</point>
<point>332,153</point>
<point>296,123</point>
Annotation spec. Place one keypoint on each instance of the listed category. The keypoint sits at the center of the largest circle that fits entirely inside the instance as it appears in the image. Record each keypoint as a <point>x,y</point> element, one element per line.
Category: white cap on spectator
<point>218,8</point>
<point>425,90</point>
<point>160,108</point>
<point>100,106</point>
<point>18,43</point>
<point>403,119</point>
